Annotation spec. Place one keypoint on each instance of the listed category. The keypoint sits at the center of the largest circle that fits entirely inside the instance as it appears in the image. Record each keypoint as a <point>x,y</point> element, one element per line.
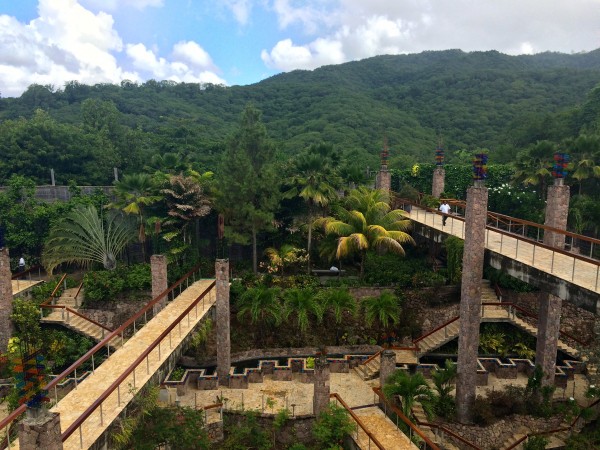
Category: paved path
<point>578,272</point>
<point>21,286</point>
<point>77,401</point>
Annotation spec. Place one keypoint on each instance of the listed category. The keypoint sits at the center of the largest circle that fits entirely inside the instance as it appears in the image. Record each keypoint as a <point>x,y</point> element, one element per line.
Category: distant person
<point>445,209</point>
<point>21,264</point>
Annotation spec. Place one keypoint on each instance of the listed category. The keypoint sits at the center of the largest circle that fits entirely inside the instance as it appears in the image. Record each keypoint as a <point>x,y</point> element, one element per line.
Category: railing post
<point>517,249</point>
<point>159,350</point>
<point>552,265</point>
<point>597,271</point>
<point>93,365</point>
<point>80,437</point>
<point>101,416</point>
<point>76,383</point>
<point>501,241</point>
<point>170,340</point>
<point>55,394</point>
<point>573,272</point>
<point>119,395</point>
<point>533,260</point>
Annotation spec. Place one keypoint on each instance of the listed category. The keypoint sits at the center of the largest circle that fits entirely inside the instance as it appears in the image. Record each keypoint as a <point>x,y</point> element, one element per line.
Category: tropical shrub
<point>332,426</point>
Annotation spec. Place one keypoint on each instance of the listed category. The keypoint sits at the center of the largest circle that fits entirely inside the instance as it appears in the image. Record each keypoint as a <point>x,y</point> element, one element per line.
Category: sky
<point>231,42</point>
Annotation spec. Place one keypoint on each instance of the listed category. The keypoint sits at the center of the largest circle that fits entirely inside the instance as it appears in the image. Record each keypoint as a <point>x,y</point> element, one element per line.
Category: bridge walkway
<point>583,272</point>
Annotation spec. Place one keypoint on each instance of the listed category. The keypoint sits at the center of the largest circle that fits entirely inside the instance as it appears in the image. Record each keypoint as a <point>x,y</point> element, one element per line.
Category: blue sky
<point>231,42</point>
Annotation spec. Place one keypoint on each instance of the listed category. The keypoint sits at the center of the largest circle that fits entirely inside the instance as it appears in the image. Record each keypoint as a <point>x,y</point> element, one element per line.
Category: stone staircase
<point>369,369</point>
<point>420,418</point>
<point>520,434</point>
<point>79,324</point>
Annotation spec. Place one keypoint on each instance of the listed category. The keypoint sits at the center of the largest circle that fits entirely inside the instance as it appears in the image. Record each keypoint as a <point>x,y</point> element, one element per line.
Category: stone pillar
<point>387,365</point>
<point>160,283</point>
<point>321,389</point>
<point>547,336</point>
<point>222,308</point>
<point>470,300</point>
<point>6,295</point>
<point>40,429</point>
<point>383,179</point>
<point>439,180</point>
<point>557,212</point>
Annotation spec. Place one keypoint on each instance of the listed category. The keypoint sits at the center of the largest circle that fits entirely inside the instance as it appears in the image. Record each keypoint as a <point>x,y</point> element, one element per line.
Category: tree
<point>368,223</point>
<point>410,389</point>
<point>263,307</point>
<point>442,381</point>
<point>134,193</point>
<point>287,254</point>
<point>83,237</point>
<point>338,301</point>
<point>384,310</point>
<point>332,426</point>
<point>534,166</point>
<point>303,304</point>
<point>248,187</point>
<point>314,181</point>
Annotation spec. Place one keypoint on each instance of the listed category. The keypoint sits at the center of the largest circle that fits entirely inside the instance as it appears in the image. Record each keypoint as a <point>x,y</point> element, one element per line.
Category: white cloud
<point>355,29</point>
<point>240,8</point>
<point>68,42</point>
<point>190,64</point>
<point>113,5</point>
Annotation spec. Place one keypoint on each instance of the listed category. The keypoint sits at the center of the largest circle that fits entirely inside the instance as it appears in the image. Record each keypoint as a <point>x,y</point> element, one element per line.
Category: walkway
<point>22,286</point>
<point>576,271</point>
<point>77,401</point>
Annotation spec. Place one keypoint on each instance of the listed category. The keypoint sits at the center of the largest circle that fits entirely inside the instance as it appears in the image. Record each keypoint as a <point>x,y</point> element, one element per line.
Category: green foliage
<point>390,269</point>
<point>177,374</point>
<point>454,251</point>
<point>302,304</point>
<point>384,310</point>
<point>444,405</point>
<point>106,285</point>
<point>535,443</point>
<point>245,433</point>
<point>410,389</point>
<point>506,281</point>
<point>332,426</point>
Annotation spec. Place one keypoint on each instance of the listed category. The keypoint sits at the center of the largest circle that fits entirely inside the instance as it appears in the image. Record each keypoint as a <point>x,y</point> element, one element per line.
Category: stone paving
<point>21,286</point>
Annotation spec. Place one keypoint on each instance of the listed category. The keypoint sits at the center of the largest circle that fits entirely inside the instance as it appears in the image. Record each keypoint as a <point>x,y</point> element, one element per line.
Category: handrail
<point>77,313</point>
<point>420,338</point>
<point>115,384</point>
<point>357,420</point>
<point>78,290</point>
<point>531,314</point>
<point>104,342</point>
<point>16,276</point>
<point>371,358</point>
<point>57,287</point>
<point>405,419</point>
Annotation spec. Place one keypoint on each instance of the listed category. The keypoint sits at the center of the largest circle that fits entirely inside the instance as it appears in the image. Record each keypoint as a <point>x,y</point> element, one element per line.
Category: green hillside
<point>479,99</point>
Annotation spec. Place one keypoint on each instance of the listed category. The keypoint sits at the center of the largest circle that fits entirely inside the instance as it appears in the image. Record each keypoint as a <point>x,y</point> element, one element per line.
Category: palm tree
<point>303,304</point>
<point>337,301</point>
<point>313,183</point>
<point>534,166</point>
<point>134,193</point>
<point>367,222</point>
<point>442,381</point>
<point>83,237</point>
<point>384,310</point>
<point>278,258</point>
<point>410,389</point>
<point>262,305</point>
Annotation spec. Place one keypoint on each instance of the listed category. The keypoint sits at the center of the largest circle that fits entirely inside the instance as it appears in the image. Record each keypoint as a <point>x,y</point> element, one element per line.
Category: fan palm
<point>384,310</point>
<point>337,301</point>
<point>410,389</point>
<point>262,305</point>
<point>303,304</point>
<point>367,222</point>
<point>83,237</point>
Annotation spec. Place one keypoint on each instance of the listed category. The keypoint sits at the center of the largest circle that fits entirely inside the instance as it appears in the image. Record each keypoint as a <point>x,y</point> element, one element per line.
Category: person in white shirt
<point>445,209</point>
<point>21,264</point>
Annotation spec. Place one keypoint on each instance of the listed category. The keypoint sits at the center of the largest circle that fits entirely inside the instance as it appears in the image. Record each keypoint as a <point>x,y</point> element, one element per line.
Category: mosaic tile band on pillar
<point>223,325</point>
<point>470,299</point>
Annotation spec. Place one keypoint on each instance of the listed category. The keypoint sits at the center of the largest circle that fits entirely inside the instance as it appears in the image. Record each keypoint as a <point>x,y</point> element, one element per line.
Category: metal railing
<point>89,360</point>
<point>527,247</point>
<point>359,425</point>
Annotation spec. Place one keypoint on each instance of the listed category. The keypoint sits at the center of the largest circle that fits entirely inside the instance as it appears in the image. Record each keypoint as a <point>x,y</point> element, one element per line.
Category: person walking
<point>445,209</point>
<point>21,264</point>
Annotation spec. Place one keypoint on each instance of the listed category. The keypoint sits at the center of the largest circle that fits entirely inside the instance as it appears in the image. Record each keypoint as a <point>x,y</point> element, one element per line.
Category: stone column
<point>557,212</point>
<point>387,365</point>
<point>160,283</point>
<point>321,389</point>
<point>439,180</point>
<point>383,179</point>
<point>222,308</point>
<point>547,336</point>
<point>40,429</point>
<point>6,295</point>
<point>470,300</point>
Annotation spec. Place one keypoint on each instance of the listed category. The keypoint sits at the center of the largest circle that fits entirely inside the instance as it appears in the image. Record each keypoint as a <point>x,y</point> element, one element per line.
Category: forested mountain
<point>473,100</point>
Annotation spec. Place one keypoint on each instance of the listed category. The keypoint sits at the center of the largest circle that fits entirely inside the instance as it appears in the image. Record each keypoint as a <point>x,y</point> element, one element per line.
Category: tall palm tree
<point>83,237</point>
<point>262,305</point>
<point>534,166</point>
<point>303,305</point>
<point>134,193</point>
<point>410,389</point>
<point>313,182</point>
<point>279,258</point>
<point>337,301</point>
<point>383,310</point>
<point>368,223</point>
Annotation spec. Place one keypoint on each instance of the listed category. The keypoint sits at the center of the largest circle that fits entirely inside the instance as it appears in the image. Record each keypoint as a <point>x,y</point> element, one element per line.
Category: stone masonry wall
<point>439,179</point>
<point>557,211</point>
<point>470,300</point>
<point>384,180</point>
<point>6,327</point>
<point>548,334</point>
<point>223,326</point>
<point>321,382</point>
<point>160,283</point>
<point>41,433</point>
